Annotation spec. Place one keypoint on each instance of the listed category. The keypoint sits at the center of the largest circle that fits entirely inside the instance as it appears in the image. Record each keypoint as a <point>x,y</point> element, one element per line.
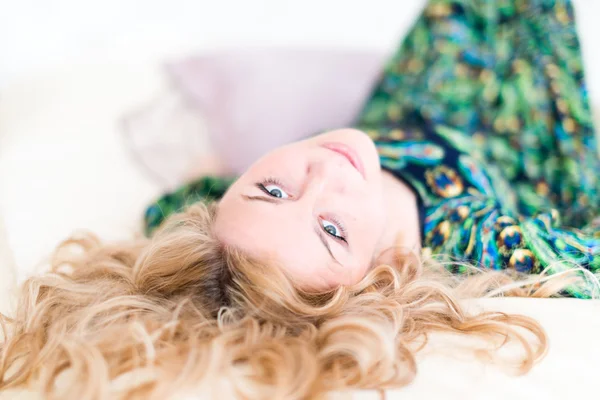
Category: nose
<point>326,175</point>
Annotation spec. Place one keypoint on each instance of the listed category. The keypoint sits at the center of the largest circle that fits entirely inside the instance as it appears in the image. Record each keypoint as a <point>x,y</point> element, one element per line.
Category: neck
<point>402,232</point>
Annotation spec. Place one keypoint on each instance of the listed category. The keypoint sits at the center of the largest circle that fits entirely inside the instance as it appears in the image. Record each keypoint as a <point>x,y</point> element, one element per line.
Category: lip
<point>349,153</point>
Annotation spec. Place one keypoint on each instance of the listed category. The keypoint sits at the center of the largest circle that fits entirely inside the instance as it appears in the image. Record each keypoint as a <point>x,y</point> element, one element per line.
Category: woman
<point>483,115</point>
<point>306,276</point>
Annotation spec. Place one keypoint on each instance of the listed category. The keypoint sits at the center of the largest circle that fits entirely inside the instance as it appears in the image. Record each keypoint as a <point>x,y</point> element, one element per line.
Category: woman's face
<point>314,207</point>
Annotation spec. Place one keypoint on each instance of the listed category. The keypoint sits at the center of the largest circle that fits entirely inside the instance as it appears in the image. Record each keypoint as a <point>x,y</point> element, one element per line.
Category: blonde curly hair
<point>157,317</point>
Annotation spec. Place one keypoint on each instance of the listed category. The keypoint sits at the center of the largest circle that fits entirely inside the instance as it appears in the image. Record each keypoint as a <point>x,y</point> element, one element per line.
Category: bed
<point>64,166</point>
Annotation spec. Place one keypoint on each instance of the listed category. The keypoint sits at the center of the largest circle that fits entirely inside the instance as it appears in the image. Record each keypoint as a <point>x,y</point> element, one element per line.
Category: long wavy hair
<point>182,312</point>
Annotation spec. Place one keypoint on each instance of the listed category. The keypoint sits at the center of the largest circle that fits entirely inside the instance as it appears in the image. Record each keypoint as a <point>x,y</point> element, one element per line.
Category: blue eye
<point>274,191</point>
<point>333,229</point>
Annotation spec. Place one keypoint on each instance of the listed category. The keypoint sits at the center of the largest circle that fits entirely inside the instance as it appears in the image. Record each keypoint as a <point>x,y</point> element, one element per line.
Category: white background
<point>39,34</point>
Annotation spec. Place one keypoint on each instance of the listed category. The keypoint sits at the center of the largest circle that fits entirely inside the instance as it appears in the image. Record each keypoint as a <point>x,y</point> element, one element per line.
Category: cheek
<point>371,222</point>
<point>373,213</point>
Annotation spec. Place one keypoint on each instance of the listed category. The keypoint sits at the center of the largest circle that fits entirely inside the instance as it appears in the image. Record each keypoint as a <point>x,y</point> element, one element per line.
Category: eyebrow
<point>276,201</point>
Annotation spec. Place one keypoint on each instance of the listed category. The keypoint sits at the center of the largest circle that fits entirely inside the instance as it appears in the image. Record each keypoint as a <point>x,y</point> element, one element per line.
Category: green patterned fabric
<point>484,112</point>
<point>206,188</point>
<point>508,75</point>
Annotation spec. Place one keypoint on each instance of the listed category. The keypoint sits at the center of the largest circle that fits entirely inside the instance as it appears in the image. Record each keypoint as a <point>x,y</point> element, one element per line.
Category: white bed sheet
<point>63,166</point>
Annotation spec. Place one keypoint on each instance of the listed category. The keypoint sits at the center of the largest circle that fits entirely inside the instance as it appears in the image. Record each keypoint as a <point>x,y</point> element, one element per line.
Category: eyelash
<point>269,181</point>
<point>339,225</point>
<point>274,181</point>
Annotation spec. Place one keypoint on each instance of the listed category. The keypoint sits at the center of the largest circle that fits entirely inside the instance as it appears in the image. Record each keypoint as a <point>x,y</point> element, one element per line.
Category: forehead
<point>277,232</point>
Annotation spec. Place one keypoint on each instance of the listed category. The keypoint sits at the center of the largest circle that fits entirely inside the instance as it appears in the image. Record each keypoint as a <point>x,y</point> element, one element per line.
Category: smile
<point>349,153</point>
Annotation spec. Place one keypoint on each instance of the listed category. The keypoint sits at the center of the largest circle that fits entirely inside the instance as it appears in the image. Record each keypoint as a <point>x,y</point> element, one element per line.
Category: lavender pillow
<point>245,103</point>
